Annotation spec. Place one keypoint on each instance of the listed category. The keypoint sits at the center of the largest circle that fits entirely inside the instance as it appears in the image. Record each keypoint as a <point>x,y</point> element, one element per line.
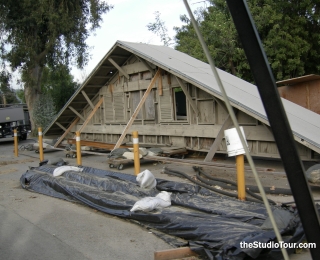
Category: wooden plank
<point>184,88</point>
<point>66,132</point>
<point>227,123</point>
<point>160,85</point>
<point>87,98</point>
<point>76,112</point>
<point>119,68</point>
<point>61,126</point>
<point>100,145</point>
<point>175,253</point>
<point>136,111</point>
<point>146,64</point>
<point>91,114</point>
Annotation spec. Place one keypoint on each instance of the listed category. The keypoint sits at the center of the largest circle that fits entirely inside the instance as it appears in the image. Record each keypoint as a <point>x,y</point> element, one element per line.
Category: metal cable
<point>235,122</point>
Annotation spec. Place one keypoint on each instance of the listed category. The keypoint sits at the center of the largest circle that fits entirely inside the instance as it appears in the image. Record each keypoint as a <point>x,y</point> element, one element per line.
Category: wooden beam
<point>136,111</point>
<point>175,253</point>
<point>118,56</point>
<point>91,114</point>
<point>119,68</point>
<point>66,132</point>
<point>185,90</point>
<point>94,86</point>
<point>160,84</point>
<point>221,103</point>
<point>214,147</point>
<point>146,64</point>
<point>75,111</point>
<point>106,67</point>
<point>99,145</point>
<point>87,98</point>
<point>61,126</point>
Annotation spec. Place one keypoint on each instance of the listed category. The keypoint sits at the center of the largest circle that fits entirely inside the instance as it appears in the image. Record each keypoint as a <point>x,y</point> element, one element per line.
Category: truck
<point>14,117</point>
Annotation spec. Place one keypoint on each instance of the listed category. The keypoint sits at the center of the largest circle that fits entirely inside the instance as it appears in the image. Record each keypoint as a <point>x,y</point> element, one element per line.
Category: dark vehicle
<point>14,117</point>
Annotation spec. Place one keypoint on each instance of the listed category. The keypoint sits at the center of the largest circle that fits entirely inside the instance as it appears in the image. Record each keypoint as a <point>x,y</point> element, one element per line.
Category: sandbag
<point>146,180</point>
<point>151,203</point>
<point>60,170</point>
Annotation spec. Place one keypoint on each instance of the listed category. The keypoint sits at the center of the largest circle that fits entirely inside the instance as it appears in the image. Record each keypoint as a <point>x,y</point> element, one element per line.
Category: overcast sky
<point>127,21</point>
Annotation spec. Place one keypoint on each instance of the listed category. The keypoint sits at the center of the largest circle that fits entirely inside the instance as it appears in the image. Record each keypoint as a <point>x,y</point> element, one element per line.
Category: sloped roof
<point>243,95</point>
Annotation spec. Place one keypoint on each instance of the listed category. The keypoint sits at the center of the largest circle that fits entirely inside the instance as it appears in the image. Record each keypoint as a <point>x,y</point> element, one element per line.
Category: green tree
<point>44,111</point>
<point>58,83</point>
<point>289,31</point>
<point>8,95</point>
<point>35,33</point>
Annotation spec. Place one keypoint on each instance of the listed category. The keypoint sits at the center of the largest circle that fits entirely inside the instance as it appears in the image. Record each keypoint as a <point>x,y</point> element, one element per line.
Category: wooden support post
<point>214,147</point>
<point>135,141</point>
<point>40,140</point>
<point>146,64</point>
<point>136,111</point>
<point>61,126</point>
<point>15,137</point>
<point>160,85</point>
<point>66,132</point>
<point>87,98</point>
<point>189,98</point>
<point>78,147</point>
<point>119,68</point>
<point>76,112</point>
<point>91,114</point>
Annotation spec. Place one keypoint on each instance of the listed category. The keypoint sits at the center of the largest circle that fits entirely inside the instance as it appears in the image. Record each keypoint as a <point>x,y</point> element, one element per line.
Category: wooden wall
<point>159,123</point>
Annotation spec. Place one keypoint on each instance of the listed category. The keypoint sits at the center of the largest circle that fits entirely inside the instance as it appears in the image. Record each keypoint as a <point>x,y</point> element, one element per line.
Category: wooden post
<point>66,132</point>
<point>40,144</point>
<point>15,138</point>
<point>241,177</point>
<point>135,141</point>
<point>136,111</point>
<point>78,145</point>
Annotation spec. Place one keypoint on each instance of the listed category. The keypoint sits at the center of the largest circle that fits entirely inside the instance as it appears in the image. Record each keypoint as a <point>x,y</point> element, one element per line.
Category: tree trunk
<point>32,90</point>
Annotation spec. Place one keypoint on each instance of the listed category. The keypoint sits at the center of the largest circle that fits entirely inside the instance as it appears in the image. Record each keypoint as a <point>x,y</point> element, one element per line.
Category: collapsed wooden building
<point>177,103</point>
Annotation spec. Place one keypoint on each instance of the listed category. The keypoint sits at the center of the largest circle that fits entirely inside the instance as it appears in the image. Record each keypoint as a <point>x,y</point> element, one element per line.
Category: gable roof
<point>243,95</point>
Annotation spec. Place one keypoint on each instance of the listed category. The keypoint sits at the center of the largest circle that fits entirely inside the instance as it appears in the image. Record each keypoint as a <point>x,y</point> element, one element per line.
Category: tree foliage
<point>59,84</point>
<point>36,33</point>
<point>159,28</point>
<point>8,95</point>
<point>44,111</point>
<point>289,31</point>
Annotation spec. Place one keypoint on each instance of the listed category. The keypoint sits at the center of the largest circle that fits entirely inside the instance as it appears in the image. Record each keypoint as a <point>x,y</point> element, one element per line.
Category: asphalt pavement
<point>35,226</point>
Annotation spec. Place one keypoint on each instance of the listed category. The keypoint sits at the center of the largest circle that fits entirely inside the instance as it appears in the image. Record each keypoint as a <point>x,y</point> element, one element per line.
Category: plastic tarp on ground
<point>211,224</point>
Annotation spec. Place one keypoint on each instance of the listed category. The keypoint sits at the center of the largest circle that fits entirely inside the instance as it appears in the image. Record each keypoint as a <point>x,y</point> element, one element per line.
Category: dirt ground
<point>34,226</point>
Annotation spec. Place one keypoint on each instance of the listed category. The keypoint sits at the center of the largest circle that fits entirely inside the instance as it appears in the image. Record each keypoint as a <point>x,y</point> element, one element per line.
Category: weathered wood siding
<point>158,122</point>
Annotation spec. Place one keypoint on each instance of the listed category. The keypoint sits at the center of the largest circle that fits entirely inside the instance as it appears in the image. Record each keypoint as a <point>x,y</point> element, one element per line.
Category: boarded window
<point>166,105</point>
<point>149,107</point>
<point>135,98</point>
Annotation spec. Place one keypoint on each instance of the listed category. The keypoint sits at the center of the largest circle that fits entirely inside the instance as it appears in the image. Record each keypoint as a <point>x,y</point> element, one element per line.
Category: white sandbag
<point>150,203</point>
<point>164,195</point>
<point>143,151</point>
<point>60,170</point>
<point>146,180</point>
<point>130,155</point>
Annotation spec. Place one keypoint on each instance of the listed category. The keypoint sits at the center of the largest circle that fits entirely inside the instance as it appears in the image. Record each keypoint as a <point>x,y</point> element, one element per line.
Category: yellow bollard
<point>40,144</point>
<point>135,141</point>
<point>15,138</point>
<point>241,177</point>
<point>78,145</point>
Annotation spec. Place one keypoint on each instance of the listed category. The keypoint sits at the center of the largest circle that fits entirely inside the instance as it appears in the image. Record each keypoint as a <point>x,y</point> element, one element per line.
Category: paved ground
<point>34,226</point>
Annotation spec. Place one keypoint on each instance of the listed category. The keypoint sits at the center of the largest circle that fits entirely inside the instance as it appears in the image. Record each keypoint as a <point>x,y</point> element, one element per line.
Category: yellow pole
<point>78,145</point>
<point>15,138</point>
<point>40,144</point>
<point>241,177</point>
<point>135,141</point>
